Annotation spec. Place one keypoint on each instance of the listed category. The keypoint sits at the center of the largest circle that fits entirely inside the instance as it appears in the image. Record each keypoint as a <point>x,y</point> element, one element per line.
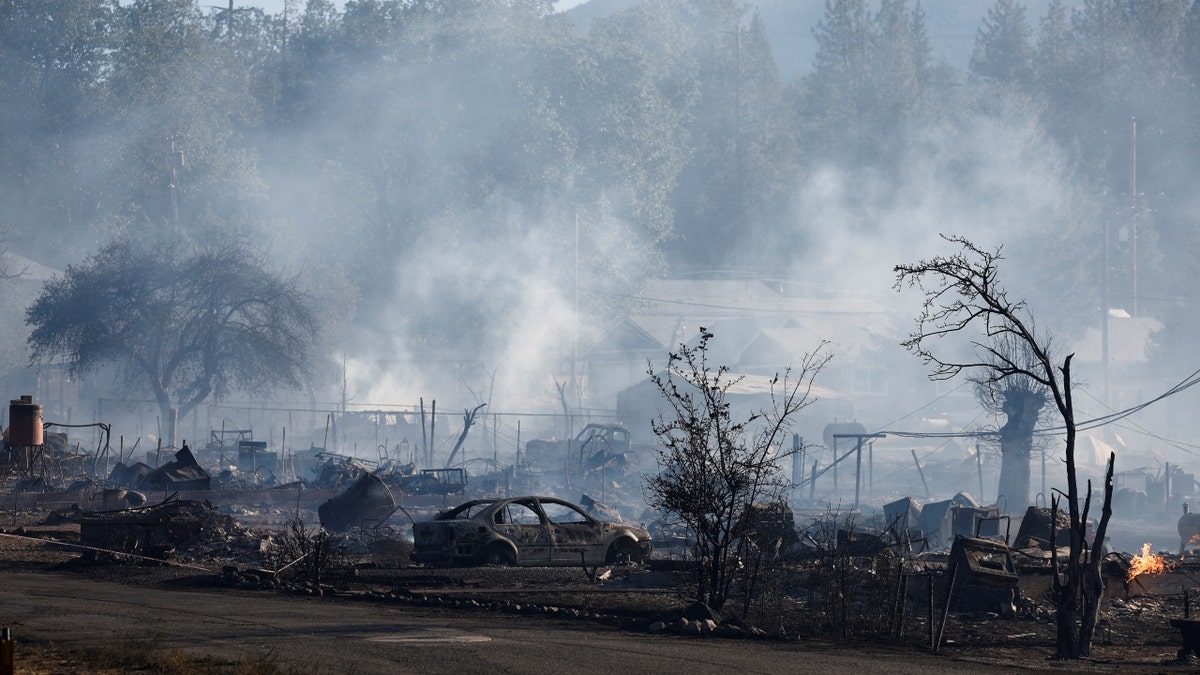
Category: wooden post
<point>921,472</point>
<point>812,482</point>
<point>6,651</point>
<point>1167,489</point>
<point>929,580</point>
<point>835,465</point>
<point>424,437</point>
<point>979,465</point>
<point>871,468</point>
<point>432,430</point>
<point>857,472</point>
<point>941,632</point>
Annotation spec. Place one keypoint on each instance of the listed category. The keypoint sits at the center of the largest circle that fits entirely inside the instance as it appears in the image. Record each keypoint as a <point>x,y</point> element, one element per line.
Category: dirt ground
<point>1134,634</point>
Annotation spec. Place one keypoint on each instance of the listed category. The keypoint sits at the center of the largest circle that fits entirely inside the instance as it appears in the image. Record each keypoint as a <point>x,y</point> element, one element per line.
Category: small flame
<point>1146,563</point>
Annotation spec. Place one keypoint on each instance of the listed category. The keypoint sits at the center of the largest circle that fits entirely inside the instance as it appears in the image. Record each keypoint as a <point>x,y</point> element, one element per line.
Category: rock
<point>737,623</point>
<point>698,611</point>
<point>730,631</point>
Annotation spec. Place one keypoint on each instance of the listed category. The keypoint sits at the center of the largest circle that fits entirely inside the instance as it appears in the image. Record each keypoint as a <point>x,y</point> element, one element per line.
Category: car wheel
<point>499,555</point>
<point>619,553</point>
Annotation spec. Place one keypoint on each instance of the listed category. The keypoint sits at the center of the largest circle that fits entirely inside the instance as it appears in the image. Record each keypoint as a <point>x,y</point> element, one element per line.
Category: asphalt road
<point>329,635</point>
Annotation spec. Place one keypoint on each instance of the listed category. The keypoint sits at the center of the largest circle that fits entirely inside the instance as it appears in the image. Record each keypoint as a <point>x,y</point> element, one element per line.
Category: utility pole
<point>1104,318</point>
<point>575,383</point>
<point>176,161</point>
<point>858,459</point>
<point>1133,208</point>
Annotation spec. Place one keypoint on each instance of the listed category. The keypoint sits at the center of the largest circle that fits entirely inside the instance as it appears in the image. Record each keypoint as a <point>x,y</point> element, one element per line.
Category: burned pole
<point>979,466</point>
<point>921,472</point>
<point>858,459</point>
<point>812,482</point>
<point>424,435</point>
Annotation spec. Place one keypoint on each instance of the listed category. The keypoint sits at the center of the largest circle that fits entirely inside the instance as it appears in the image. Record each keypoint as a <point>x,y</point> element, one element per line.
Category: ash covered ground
<point>847,597</point>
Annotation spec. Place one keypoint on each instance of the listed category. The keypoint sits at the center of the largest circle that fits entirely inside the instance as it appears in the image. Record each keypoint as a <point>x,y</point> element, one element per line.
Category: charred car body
<point>527,531</point>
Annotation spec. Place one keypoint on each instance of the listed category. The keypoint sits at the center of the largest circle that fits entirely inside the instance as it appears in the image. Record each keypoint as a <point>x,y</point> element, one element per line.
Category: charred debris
<point>320,522</point>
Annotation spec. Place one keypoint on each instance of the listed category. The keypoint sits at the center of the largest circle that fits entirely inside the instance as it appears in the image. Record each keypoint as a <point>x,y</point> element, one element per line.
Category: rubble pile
<point>699,619</point>
<point>50,467</point>
<point>338,471</point>
<point>183,473</point>
<point>175,528</point>
<point>1037,526</point>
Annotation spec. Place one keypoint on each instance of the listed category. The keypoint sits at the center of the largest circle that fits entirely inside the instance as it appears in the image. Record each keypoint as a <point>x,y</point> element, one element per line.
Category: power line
<point>1185,384</point>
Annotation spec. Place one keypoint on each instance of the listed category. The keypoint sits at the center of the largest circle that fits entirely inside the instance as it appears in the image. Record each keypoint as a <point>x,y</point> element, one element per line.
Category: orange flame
<point>1146,563</point>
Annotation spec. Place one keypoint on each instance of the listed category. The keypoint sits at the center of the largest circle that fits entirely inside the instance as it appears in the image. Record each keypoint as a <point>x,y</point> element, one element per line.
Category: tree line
<point>664,135</point>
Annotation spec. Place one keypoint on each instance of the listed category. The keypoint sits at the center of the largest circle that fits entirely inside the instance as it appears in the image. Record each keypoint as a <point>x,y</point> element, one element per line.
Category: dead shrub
<point>306,553</point>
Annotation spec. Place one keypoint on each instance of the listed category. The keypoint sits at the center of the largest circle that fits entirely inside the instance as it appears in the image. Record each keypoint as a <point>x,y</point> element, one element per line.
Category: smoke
<point>993,182</point>
<point>503,322</point>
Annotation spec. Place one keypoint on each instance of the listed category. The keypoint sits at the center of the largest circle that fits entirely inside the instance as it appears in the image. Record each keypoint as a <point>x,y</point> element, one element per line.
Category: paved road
<point>314,635</point>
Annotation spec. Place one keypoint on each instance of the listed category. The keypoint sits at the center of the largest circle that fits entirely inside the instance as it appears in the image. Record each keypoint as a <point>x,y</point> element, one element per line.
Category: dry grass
<point>133,657</point>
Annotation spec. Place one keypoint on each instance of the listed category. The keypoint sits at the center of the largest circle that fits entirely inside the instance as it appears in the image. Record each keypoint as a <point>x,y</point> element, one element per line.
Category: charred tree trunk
<point>1093,582</point>
<point>468,421</point>
<point>1021,408</point>
<point>1079,586</point>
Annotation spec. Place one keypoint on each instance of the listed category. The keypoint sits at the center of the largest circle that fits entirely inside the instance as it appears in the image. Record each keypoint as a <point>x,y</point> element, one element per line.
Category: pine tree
<point>1002,50</point>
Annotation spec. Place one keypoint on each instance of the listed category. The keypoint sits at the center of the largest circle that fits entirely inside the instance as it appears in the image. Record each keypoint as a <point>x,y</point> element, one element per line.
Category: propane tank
<point>25,423</point>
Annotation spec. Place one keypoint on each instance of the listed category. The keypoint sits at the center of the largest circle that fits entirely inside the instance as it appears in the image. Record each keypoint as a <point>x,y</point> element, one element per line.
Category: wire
<point>1188,382</point>
<point>1190,448</point>
<point>914,412</point>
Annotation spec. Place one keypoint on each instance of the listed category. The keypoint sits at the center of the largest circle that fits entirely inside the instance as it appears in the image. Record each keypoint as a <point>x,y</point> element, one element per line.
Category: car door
<point>576,537</point>
<point>521,522</point>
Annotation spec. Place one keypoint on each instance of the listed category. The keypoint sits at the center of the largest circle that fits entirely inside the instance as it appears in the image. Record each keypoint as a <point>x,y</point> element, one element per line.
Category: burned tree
<point>715,469</point>
<point>962,296</point>
<point>1022,400</point>
<point>183,325</point>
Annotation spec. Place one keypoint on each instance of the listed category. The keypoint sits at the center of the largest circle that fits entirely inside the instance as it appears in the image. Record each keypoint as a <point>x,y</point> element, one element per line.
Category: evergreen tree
<point>1191,45</point>
<point>866,86</point>
<point>836,97</point>
<point>922,51</point>
<point>1052,52</point>
<point>54,60</point>
<point>741,149</point>
<point>1002,46</point>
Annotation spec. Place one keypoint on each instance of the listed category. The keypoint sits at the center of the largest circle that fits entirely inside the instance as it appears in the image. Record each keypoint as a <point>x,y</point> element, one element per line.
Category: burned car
<point>528,531</point>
